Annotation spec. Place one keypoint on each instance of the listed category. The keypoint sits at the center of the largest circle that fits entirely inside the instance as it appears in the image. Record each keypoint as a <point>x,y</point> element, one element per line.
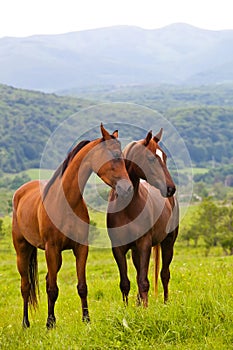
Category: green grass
<point>199,314</point>
<point>195,170</point>
<point>35,174</point>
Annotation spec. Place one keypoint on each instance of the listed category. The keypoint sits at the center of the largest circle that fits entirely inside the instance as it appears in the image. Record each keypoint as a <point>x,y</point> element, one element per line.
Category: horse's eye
<point>116,154</point>
<point>151,158</point>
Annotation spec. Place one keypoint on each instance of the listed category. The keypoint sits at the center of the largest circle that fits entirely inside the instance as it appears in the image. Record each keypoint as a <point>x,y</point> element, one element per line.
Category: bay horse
<point>150,220</point>
<point>53,216</point>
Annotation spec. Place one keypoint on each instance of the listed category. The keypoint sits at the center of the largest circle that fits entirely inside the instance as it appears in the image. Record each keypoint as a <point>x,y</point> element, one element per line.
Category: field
<point>199,314</point>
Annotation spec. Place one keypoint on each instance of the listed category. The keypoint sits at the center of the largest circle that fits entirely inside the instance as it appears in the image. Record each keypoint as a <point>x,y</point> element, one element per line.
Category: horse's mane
<point>63,166</point>
<point>128,148</point>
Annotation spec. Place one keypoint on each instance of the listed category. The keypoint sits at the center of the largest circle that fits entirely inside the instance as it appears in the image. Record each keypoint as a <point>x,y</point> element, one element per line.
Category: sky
<point>21,18</point>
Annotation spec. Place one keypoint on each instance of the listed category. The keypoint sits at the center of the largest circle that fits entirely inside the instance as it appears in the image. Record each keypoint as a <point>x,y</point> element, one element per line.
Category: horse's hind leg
<point>54,262</point>
<point>167,246</point>
<point>24,251</point>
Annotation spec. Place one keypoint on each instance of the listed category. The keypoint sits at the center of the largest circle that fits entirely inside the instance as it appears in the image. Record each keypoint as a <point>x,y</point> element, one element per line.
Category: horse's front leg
<point>54,262</point>
<point>81,253</point>
<point>167,246</point>
<point>119,255</point>
<point>142,259</point>
<point>136,261</point>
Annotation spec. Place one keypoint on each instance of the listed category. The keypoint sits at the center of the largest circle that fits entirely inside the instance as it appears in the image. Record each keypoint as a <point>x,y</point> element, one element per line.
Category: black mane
<point>63,166</point>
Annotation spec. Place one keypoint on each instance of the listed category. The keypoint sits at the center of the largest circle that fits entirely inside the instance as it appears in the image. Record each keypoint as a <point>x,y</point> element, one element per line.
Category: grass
<point>195,170</point>
<point>199,314</point>
<point>36,174</point>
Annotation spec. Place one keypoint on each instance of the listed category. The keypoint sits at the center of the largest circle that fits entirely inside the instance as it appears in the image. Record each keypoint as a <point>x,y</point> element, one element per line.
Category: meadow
<point>199,314</point>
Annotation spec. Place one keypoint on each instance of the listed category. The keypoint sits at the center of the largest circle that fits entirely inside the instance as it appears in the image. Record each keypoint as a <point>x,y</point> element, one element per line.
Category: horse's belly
<point>34,240</point>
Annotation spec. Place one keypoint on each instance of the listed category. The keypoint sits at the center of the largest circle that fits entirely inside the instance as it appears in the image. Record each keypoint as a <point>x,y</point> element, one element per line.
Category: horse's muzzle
<point>124,188</point>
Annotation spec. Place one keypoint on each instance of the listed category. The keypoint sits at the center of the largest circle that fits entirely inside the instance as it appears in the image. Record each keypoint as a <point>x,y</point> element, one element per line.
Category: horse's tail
<point>156,254</point>
<point>33,279</point>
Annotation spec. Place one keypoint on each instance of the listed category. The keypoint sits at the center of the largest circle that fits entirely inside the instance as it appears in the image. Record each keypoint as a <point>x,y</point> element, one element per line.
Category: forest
<point>203,117</point>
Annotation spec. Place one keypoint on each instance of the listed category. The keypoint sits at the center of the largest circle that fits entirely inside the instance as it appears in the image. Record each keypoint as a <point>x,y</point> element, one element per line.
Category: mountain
<point>120,55</point>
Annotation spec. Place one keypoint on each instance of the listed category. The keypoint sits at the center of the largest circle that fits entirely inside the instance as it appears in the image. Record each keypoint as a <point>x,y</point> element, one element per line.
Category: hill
<point>176,54</point>
<point>27,119</point>
<point>202,118</point>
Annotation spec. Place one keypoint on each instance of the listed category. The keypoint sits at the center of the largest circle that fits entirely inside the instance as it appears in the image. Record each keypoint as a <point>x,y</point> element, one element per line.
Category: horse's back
<point>26,201</point>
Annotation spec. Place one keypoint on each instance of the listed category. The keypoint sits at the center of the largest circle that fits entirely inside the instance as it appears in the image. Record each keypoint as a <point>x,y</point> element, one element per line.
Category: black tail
<point>33,279</point>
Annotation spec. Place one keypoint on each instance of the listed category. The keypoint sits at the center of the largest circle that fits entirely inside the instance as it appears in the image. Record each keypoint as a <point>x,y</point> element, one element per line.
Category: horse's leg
<point>119,255</point>
<point>24,251</point>
<point>144,251</point>
<point>54,262</point>
<point>167,254</point>
<point>136,261</point>
<point>81,253</point>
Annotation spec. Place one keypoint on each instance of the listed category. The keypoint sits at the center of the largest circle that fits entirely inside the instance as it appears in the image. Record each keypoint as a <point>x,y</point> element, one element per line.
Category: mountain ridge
<point>175,54</point>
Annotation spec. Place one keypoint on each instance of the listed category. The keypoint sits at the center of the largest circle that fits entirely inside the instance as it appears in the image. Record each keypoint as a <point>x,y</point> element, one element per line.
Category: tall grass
<point>199,314</point>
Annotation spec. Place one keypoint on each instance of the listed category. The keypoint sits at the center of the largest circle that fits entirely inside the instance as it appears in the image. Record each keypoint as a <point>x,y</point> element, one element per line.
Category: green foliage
<point>223,174</point>
<point>93,232</point>
<point>27,119</point>
<point>14,182</point>
<point>210,223</point>
<point>5,227</point>
<point>5,201</point>
<point>206,131</point>
<point>225,229</point>
<point>202,116</point>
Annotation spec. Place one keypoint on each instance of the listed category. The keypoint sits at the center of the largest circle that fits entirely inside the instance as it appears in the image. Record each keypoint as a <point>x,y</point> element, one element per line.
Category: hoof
<point>125,299</point>
<point>25,324</point>
<point>86,319</point>
<point>51,322</point>
<point>138,300</point>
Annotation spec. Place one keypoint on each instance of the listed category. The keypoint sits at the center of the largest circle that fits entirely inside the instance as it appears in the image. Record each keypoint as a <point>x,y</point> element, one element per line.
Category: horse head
<point>146,160</point>
<point>108,163</point>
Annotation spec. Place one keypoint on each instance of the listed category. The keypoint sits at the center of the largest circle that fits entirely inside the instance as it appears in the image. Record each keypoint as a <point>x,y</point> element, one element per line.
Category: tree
<point>209,214</point>
<point>94,232</point>
<point>225,228</point>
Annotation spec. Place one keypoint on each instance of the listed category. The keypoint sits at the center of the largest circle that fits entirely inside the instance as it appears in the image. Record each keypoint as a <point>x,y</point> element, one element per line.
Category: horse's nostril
<point>124,188</point>
<point>171,191</point>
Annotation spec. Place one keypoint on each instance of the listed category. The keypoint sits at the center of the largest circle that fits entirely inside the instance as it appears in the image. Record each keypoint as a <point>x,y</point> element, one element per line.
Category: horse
<point>151,219</point>
<point>53,216</point>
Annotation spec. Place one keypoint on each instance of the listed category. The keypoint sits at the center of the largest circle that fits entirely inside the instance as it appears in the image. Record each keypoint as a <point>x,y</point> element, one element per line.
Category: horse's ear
<point>115,134</point>
<point>148,138</point>
<point>105,133</point>
<point>158,137</point>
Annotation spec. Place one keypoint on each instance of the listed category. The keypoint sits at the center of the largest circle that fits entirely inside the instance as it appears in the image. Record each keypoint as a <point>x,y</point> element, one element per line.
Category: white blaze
<point>159,153</point>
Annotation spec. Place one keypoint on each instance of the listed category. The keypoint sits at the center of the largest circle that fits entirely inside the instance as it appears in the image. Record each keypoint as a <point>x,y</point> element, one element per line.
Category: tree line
<point>210,224</point>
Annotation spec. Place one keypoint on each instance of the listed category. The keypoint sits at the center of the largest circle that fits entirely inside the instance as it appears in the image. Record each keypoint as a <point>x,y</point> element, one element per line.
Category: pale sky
<point>29,17</point>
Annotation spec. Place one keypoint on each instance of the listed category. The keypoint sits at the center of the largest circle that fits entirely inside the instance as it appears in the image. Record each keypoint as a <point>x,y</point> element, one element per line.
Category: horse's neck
<point>135,179</point>
<point>76,176</point>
